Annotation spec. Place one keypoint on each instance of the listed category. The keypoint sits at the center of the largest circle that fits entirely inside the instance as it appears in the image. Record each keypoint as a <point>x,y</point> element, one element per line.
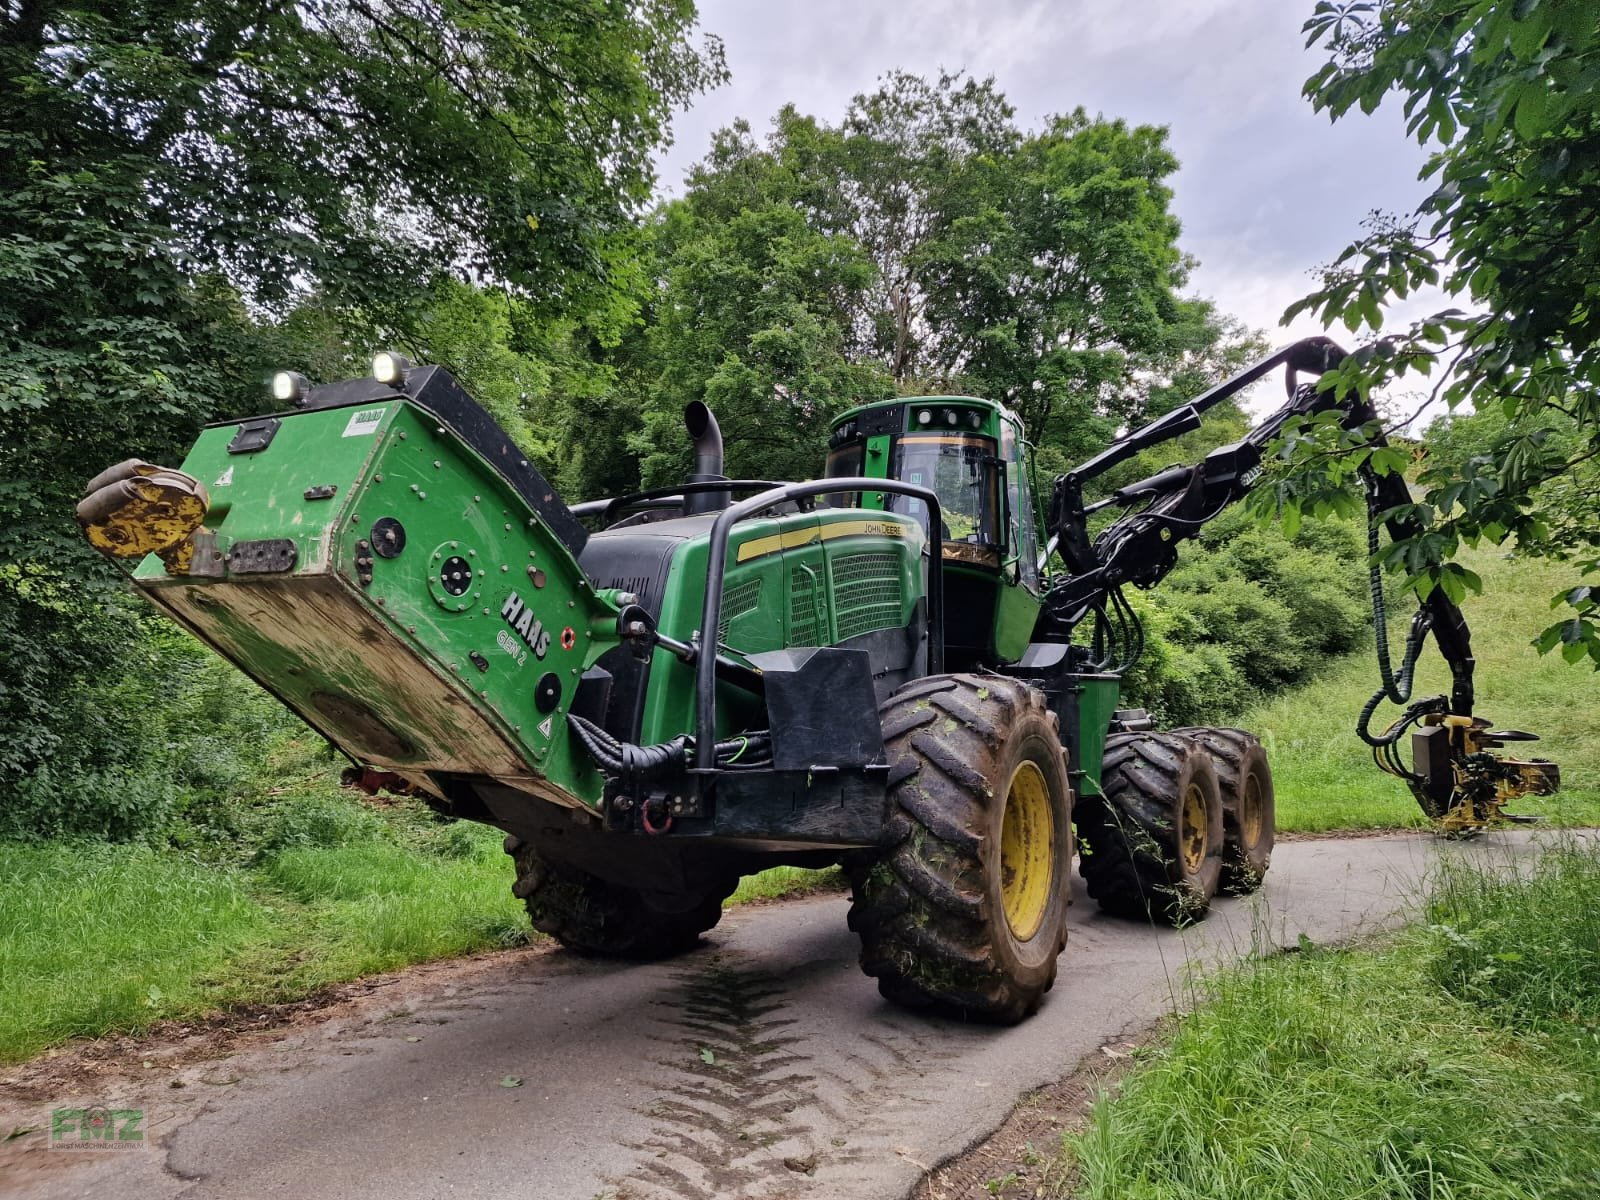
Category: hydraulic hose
<point>1396,688</point>
<point>640,765</point>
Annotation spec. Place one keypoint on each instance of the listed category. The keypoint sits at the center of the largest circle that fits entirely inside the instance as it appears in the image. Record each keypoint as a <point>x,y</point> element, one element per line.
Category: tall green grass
<point>1324,774</point>
<point>1526,946</point>
<point>97,937</point>
<point>1461,1060</point>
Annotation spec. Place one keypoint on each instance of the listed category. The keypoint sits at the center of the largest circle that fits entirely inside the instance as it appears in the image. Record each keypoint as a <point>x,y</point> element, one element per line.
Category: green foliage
<point>1508,98</point>
<point>1247,612</point>
<point>156,739</point>
<point>1320,1076</point>
<point>1181,678</point>
<point>748,321</point>
<point>176,178</point>
<point>923,244</point>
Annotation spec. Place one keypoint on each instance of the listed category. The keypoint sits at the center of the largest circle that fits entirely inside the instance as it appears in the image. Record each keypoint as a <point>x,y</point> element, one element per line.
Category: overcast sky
<point>1268,189</point>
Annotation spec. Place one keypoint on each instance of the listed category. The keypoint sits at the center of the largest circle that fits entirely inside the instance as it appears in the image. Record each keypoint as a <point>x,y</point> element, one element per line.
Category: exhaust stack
<point>706,434</point>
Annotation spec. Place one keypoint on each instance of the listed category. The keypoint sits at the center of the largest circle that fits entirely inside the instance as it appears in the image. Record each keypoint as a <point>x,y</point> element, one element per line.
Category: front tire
<point>590,915</point>
<point>1151,842</point>
<point>968,912</point>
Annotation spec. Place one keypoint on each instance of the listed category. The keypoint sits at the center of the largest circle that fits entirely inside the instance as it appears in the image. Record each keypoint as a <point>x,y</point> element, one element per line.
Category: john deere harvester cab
<point>971,454</point>
<point>654,694</point>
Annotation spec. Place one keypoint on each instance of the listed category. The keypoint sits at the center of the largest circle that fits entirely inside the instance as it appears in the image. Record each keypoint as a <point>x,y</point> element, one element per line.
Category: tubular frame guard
<point>705,715</point>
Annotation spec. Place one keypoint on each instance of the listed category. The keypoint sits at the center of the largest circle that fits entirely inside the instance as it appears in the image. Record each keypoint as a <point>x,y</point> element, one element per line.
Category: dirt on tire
<point>1132,837</point>
<point>1249,809</point>
<point>930,912</point>
<point>590,915</point>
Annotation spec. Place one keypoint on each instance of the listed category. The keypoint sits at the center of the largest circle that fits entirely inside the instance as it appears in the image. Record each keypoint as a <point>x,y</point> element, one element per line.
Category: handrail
<point>705,666</point>
<point>609,507</point>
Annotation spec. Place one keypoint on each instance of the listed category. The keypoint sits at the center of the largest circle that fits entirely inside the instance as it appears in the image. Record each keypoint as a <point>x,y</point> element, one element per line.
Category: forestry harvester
<point>655,694</point>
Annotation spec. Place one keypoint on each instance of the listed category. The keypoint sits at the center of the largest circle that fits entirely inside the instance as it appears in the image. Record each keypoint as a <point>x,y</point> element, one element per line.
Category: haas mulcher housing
<point>655,694</point>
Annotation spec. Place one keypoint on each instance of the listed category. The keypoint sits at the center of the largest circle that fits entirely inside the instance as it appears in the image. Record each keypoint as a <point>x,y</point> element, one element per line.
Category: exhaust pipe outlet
<point>706,434</point>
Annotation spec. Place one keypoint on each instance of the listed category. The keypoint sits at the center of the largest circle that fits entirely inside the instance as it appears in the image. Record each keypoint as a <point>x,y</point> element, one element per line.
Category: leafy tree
<point>925,244</point>
<point>173,173</point>
<point>753,318</point>
<point>1507,96</point>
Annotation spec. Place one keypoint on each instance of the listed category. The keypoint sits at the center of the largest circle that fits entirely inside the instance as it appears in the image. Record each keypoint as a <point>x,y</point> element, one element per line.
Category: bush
<point>156,737</point>
<point>120,804</point>
<point>1247,612</point>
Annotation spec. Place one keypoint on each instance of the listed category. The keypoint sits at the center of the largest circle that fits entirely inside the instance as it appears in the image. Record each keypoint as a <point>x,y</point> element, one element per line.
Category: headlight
<point>389,367</point>
<point>290,387</point>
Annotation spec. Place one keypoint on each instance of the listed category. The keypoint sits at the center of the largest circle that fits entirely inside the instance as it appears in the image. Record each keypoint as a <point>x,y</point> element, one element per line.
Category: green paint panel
<point>1016,612</point>
<point>1098,697</point>
<point>807,579</point>
<point>458,649</point>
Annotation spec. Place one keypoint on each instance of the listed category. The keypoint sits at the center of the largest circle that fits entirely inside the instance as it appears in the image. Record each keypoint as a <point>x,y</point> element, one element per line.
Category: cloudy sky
<point>1268,189</point>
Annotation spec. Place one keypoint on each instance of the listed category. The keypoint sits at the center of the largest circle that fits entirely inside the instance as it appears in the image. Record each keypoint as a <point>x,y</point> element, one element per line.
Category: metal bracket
<point>264,557</point>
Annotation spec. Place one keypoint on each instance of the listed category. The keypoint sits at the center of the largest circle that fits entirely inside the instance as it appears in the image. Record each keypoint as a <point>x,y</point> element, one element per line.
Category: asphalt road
<point>761,1065</point>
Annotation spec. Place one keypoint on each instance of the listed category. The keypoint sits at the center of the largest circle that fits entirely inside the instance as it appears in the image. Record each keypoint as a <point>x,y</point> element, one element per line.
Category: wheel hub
<point>1027,838</point>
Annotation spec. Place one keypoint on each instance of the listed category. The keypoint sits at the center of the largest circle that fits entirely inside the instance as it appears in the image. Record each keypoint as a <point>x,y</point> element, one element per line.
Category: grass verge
<point>102,938</point>
<point>1460,1059</point>
<point>1324,774</point>
<point>781,882</point>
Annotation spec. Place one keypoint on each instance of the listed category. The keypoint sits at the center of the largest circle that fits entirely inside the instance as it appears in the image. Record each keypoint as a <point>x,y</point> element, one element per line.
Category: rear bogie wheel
<point>1151,843</point>
<point>967,913</point>
<point>1249,811</point>
<point>591,915</point>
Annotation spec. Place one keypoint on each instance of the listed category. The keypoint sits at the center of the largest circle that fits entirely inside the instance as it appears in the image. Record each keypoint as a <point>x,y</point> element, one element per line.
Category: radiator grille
<point>803,607</point>
<point>868,592</point>
<point>736,601</point>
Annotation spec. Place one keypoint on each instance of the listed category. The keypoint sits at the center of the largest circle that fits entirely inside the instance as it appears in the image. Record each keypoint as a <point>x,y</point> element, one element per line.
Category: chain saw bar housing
<point>1456,778</point>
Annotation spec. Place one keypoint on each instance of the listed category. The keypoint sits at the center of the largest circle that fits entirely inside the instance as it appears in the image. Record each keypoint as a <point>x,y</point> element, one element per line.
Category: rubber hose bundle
<point>637,765</point>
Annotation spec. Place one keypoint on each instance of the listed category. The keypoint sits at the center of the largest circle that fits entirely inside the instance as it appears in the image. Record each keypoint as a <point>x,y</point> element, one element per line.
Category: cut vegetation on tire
<point>1152,841</point>
<point>968,912</point>
<point>592,916</point>
<point>1249,810</point>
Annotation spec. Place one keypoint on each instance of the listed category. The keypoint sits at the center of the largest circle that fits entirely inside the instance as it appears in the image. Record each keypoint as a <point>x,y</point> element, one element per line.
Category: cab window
<point>960,470</point>
<point>1024,539</point>
<point>844,461</point>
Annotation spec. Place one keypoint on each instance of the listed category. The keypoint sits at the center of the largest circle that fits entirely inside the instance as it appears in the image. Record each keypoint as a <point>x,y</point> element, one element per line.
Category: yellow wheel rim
<point>1192,836</point>
<point>1250,818</point>
<point>1027,845</point>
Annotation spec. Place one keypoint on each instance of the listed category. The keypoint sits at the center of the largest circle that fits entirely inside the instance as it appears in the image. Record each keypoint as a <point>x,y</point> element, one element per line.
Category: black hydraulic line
<point>1139,547</point>
<point>644,764</point>
<point>716,567</point>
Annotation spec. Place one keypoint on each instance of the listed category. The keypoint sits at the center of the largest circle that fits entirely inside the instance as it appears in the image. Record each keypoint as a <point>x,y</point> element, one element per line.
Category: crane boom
<point>1455,777</point>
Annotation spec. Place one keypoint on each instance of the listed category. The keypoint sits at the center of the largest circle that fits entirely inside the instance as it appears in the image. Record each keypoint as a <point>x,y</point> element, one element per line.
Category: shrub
<point>1247,612</point>
<point>118,804</point>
